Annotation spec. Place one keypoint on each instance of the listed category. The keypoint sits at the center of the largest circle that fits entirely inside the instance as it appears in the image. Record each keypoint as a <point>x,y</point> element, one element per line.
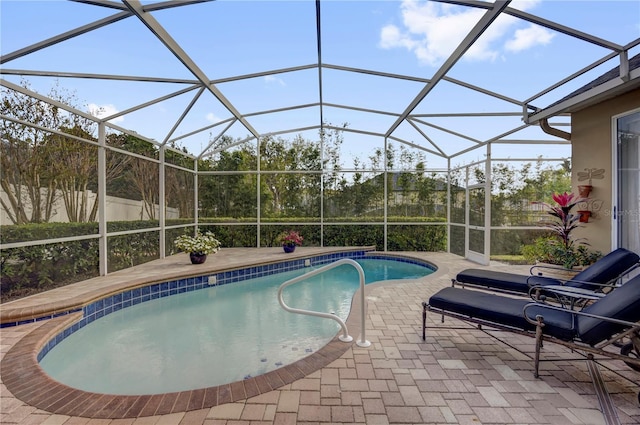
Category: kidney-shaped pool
<point>212,336</point>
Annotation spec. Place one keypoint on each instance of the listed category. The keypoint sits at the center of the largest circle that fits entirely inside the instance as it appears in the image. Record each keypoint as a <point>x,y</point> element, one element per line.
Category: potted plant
<point>290,240</point>
<point>561,249</point>
<point>198,246</point>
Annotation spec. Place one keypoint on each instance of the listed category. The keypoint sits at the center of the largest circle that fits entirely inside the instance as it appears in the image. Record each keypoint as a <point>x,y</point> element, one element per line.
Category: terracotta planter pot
<point>585,190</point>
<point>584,216</point>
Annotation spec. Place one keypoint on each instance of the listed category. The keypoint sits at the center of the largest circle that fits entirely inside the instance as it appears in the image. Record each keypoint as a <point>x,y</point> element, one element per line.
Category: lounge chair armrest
<point>552,280</point>
<point>632,325</point>
<point>596,284</point>
<point>539,266</point>
<point>566,296</point>
<point>566,281</point>
<point>572,292</point>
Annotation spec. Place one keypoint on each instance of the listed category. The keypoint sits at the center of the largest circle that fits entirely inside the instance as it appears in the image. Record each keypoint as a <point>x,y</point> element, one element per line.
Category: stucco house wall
<point>592,147</point>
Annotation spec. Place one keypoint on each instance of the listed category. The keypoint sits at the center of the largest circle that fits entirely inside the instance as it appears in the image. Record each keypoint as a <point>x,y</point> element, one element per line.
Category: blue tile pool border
<point>138,295</point>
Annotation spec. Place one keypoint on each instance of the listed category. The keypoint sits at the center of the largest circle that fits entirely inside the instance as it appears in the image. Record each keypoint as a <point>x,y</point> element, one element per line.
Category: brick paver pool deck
<point>459,375</point>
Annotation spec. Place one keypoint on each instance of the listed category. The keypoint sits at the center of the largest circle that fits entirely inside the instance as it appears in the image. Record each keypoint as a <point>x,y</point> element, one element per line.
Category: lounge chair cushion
<point>621,304</point>
<point>602,271</point>
<point>502,310</point>
<point>606,269</point>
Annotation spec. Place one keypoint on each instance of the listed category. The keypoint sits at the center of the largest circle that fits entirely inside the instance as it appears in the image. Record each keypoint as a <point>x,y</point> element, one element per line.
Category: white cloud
<point>211,117</point>
<point>272,79</point>
<point>103,111</point>
<point>433,30</point>
<point>528,37</point>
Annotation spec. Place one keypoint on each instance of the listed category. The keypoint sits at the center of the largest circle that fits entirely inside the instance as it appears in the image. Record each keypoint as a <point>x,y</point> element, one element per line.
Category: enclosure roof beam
<point>355,108</point>
<point>200,130</point>
<point>64,36</point>
<point>423,134</point>
<point>286,108</point>
<point>218,137</point>
<point>542,22</point>
<point>66,74</point>
<point>467,114</point>
<point>426,81</point>
<point>446,130</point>
<point>46,99</point>
<point>419,147</point>
<point>319,53</point>
<point>151,102</point>
<point>147,8</point>
<point>183,116</point>
<point>263,73</point>
<point>154,26</point>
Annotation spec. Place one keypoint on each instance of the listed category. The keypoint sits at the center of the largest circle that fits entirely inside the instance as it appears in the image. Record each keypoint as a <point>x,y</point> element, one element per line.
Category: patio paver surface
<point>458,375</point>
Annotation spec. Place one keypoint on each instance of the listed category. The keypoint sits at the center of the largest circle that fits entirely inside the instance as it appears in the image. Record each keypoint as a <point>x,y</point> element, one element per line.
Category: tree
<point>76,169</point>
<point>286,187</point>
<point>39,167</point>
<point>28,178</point>
<point>291,193</point>
<point>426,190</point>
<point>75,166</point>
<point>143,175</point>
<point>232,194</point>
<point>179,184</point>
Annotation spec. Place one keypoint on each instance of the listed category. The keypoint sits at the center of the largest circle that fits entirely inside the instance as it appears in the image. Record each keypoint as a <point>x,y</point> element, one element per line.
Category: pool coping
<point>27,381</point>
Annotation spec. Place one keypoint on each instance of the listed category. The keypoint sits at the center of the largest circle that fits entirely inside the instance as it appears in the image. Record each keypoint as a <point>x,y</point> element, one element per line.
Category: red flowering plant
<point>290,238</point>
<point>561,248</point>
<point>565,221</point>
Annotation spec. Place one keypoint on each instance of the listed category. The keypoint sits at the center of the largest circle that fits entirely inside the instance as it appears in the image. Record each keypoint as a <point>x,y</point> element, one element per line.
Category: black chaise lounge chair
<point>602,274</point>
<point>610,320</point>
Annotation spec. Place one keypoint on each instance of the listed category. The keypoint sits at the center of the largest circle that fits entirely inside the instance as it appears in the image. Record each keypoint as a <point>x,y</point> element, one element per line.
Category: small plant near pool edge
<point>290,238</point>
<point>200,243</point>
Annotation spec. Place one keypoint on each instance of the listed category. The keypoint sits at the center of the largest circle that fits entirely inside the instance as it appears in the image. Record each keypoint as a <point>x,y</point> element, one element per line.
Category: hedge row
<point>37,268</point>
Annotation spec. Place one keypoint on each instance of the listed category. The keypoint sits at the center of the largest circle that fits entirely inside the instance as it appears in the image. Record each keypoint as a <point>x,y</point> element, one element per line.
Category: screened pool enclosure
<point>415,125</point>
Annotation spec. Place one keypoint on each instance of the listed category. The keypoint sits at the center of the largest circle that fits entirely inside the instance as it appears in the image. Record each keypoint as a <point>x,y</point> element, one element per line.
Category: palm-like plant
<point>565,222</point>
<point>561,248</point>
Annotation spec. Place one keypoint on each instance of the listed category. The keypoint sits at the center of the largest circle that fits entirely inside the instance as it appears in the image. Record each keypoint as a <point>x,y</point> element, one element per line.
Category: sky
<point>514,58</point>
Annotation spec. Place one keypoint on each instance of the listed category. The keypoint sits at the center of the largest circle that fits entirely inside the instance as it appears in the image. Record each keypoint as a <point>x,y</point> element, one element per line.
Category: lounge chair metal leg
<point>424,321</point>
<point>536,365</point>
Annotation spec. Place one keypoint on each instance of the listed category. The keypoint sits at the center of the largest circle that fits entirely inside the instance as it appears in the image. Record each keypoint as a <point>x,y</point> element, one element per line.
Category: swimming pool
<point>211,336</point>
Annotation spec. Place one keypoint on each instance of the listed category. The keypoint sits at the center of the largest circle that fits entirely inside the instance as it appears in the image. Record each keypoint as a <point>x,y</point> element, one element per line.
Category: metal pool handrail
<point>345,337</point>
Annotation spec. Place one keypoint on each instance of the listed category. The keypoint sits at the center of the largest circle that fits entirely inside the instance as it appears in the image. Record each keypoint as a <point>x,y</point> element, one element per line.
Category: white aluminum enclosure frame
<point>201,84</point>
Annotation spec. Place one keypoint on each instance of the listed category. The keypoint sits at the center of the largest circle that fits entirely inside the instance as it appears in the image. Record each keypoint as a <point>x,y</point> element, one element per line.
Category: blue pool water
<point>212,336</point>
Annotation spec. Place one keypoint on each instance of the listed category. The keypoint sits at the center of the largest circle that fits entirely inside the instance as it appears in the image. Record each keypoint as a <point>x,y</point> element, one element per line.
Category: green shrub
<point>550,250</point>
